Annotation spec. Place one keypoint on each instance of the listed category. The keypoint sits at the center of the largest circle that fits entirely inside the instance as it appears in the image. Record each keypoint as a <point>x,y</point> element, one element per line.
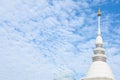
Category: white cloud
<point>40,39</point>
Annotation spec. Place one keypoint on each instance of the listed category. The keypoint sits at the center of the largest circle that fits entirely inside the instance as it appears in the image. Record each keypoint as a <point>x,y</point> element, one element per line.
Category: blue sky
<point>54,39</point>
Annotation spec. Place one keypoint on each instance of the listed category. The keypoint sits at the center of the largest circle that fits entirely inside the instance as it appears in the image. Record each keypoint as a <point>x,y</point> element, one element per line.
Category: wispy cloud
<point>39,40</point>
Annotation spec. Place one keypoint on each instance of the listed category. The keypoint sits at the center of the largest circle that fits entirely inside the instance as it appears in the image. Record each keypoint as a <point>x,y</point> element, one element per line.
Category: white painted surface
<point>99,69</point>
<point>99,32</point>
<point>99,40</point>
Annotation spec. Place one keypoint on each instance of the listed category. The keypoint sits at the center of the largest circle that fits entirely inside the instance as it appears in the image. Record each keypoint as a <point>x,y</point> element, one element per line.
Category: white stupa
<point>99,69</point>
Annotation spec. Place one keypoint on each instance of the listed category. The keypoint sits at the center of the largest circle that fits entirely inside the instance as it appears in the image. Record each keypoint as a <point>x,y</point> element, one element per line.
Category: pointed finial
<point>99,13</point>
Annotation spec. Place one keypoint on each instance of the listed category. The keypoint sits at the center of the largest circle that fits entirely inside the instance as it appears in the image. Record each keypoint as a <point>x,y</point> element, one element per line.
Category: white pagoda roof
<point>99,69</point>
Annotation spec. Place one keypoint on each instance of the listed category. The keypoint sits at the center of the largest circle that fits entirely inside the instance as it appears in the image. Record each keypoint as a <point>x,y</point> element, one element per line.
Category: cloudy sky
<point>54,39</point>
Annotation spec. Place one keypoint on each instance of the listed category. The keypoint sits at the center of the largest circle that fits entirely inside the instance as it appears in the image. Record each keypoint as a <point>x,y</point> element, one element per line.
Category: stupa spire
<point>99,69</point>
<point>99,38</point>
<point>99,14</point>
<point>99,51</point>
